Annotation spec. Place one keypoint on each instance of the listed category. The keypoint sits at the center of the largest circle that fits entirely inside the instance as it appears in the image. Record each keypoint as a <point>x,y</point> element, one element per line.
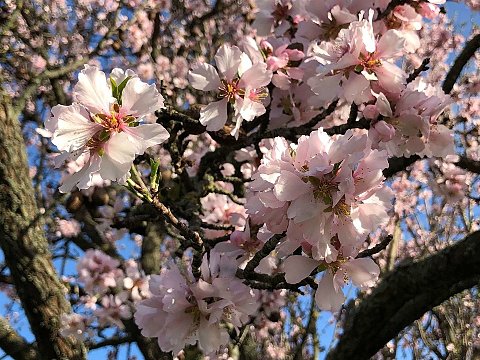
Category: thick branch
<point>13,344</point>
<point>151,255</point>
<point>468,51</point>
<point>26,249</point>
<point>469,164</point>
<point>398,164</point>
<point>407,293</point>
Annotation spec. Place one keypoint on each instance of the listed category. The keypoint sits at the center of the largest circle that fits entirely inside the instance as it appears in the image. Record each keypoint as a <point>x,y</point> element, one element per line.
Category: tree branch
<point>377,248</point>
<point>407,293</point>
<point>468,51</point>
<point>469,164</point>
<point>13,344</point>
<point>398,164</point>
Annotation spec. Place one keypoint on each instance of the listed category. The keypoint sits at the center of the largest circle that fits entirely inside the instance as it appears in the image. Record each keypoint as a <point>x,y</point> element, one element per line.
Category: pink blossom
<point>329,296</point>
<point>453,182</point>
<point>326,193</point>
<point>276,13</point>
<point>290,107</point>
<point>355,62</point>
<point>68,228</point>
<point>113,310</point>
<point>327,18</point>
<point>220,209</point>
<point>240,83</point>
<point>280,59</point>
<point>195,309</point>
<point>428,10</point>
<point>98,271</point>
<point>411,127</point>
<point>135,281</point>
<point>103,125</point>
<point>74,325</point>
<point>38,63</point>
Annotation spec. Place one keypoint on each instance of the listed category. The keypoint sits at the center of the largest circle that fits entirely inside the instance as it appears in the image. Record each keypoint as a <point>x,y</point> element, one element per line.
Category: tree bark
<point>14,345</point>
<point>405,294</point>
<point>23,242</point>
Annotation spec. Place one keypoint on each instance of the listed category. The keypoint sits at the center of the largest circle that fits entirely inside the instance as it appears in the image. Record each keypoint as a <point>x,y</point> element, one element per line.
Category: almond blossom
<point>239,83</point>
<point>220,209</point>
<point>327,18</point>
<point>98,271</point>
<point>196,308</point>
<point>113,310</point>
<point>135,281</point>
<point>276,13</point>
<point>326,193</point>
<point>104,123</point>
<point>280,59</point>
<point>407,22</point>
<point>356,62</point>
<point>75,325</point>
<point>329,296</point>
<point>411,127</point>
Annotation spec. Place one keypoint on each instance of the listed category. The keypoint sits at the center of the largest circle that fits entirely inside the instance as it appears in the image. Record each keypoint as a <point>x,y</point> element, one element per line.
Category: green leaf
<point>114,88</point>
<point>120,89</point>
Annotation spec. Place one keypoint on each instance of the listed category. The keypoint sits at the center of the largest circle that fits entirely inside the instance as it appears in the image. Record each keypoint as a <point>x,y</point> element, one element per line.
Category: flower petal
<point>228,59</point>
<point>289,186</point>
<point>82,178</point>
<point>118,157</point>
<point>140,99</point>
<point>298,267</point>
<point>214,115</point>
<point>72,127</point>
<point>92,90</point>
<point>326,297</point>
<point>204,77</point>
<point>363,272</point>
<point>251,109</point>
<point>147,135</point>
<point>256,77</point>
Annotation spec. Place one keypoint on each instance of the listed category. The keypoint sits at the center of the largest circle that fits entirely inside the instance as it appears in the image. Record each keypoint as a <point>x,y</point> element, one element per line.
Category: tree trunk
<point>25,247</point>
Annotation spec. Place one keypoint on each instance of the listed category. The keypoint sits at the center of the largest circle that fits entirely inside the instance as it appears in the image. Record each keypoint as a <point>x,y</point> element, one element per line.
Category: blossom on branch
<point>104,123</point>
<point>197,309</point>
<point>237,82</point>
<point>410,124</point>
<point>356,62</point>
<point>326,193</point>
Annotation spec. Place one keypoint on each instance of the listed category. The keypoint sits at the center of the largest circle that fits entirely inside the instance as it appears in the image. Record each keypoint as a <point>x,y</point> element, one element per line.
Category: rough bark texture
<point>14,345</point>
<point>151,255</point>
<point>25,247</point>
<point>407,293</point>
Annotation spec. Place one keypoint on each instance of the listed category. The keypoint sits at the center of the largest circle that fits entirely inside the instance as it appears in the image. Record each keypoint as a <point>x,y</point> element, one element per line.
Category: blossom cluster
<point>109,292</point>
<point>324,194</point>
<point>197,309</point>
<point>412,127</point>
<point>327,194</point>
